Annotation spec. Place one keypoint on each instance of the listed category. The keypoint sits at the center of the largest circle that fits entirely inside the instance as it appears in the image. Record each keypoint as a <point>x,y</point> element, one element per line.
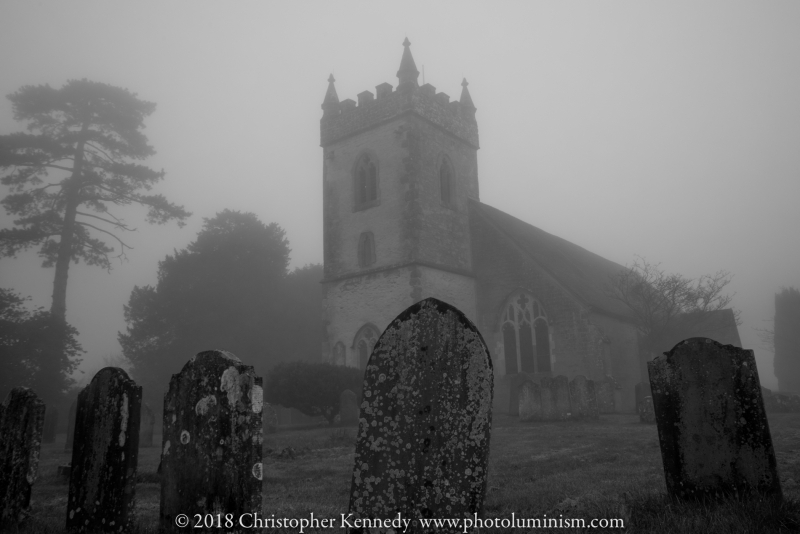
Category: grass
<point>609,468</point>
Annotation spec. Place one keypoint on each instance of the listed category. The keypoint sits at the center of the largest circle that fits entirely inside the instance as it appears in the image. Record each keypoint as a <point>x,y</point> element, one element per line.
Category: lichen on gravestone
<point>425,421</point>
<point>712,426</point>
<point>21,424</point>
<point>102,481</point>
<point>211,458</point>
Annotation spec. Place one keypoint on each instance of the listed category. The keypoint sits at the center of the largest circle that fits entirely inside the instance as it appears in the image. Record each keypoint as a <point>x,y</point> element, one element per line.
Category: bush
<point>311,388</point>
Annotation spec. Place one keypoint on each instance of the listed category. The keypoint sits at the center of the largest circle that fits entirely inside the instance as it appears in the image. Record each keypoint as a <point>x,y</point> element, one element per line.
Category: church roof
<point>583,273</point>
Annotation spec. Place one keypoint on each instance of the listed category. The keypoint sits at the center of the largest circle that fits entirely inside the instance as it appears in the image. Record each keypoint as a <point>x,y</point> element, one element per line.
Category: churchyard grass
<point>609,468</point>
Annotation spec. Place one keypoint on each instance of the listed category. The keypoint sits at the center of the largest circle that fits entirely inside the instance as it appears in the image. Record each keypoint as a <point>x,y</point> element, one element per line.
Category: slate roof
<point>583,273</point>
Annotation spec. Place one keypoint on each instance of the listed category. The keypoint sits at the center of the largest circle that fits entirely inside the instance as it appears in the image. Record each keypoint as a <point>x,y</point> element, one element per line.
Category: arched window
<point>363,343</point>
<point>446,182</point>
<point>366,182</point>
<point>366,249</point>
<point>526,336</point>
<point>338,354</point>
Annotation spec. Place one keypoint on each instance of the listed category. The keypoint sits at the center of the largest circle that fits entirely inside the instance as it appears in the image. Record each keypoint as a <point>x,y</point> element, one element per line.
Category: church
<point>403,221</point>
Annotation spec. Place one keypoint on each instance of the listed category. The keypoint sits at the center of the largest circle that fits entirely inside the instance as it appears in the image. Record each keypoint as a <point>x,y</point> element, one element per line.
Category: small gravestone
<point>212,440</point>
<point>425,421</point>
<point>546,395</point>
<point>21,425</point>
<point>530,401</point>
<point>560,392</point>
<point>583,399</point>
<point>71,425</point>
<point>712,426</point>
<point>102,480</point>
<point>270,415</point>
<point>348,408</point>
<point>50,422</point>
<point>646,410</point>
<point>147,426</point>
<point>606,389</point>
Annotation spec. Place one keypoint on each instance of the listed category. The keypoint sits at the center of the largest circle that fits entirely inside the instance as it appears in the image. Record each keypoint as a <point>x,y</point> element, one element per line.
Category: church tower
<point>398,170</point>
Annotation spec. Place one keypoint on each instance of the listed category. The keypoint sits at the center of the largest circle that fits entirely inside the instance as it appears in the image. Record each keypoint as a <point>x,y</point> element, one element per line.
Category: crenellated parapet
<point>346,118</point>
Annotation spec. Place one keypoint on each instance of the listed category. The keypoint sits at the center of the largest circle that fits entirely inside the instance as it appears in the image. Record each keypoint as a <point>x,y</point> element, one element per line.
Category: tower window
<point>366,249</point>
<point>366,183</point>
<point>446,182</point>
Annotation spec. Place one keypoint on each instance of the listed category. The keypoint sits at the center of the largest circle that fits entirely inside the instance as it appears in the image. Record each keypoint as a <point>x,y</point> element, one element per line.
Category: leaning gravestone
<point>423,437</point>
<point>147,426</point>
<point>530,401</point>
<point>102,480</point>
<point>50,423</point>
<point>21,426</point>
<point>582,398</point>
<point>712,426</point>
<point>71,425</point>
<point>212,440</point>
<point>348,408</point>
<point>560,392</point>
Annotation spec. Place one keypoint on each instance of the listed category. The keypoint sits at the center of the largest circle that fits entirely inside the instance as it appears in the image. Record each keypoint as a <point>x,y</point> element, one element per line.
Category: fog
<point>669,131</point>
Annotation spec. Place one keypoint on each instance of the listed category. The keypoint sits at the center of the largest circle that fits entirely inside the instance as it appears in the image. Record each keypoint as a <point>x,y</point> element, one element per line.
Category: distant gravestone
<point>646,410</point>
<point>21,425</point>
<point>512,383</point>
<point>425,421</point>
<point>712,426</point>
<point>71,425</point>
<point>50,424</point>
<point>560,392</point>
<point>348,408</point>
<point>605,389</point>
<point>212,439</point>
<point>147,426</point>
<point>530,401</point>
<point>102,480</point>
<point>583,399</point>
<point>546,394</point>
<point>642,390</point>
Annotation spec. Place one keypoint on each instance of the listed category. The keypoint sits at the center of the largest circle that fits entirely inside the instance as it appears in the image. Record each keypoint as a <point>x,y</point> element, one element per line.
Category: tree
<point>225,290</point>
<point>25,337</point>
<point>667,308</point>
<point>786,340</point>
<point>88,134</point>
<point>312,388</point>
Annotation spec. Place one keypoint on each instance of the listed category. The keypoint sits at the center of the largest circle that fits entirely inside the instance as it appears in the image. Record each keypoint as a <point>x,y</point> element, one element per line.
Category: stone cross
<point>712,426</point>
<point>21,425</point>
<point>212,439</point>
<point>102,481</point>
<point>423,436</point>
<point>348,408</point>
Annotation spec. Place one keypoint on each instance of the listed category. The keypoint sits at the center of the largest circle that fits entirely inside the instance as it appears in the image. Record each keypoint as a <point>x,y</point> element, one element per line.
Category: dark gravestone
<point>102,480</point>
<point>530,402</point>
<point>712,426</point>
<point>71,425</point>
<point>212,439</point>
<point>423,436</point>
<point>147,426</point>
<point>21,425</point>
<point>546,395</point>
<point>348,408</point>
<point>582,398</point>
<point>605,389</point>
<point>646,411</point>
<point>50,423</point>
<point>560,392</point>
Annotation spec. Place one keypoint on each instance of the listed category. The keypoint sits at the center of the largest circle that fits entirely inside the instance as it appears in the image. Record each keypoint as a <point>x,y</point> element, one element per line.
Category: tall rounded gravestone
<point>423,436</point>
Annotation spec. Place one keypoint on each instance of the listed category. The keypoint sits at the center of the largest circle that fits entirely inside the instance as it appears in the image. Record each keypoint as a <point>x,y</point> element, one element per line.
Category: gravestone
<point>546,395</point>
<point>425,420</point>
<point>512,383</point>
<point>642,390</point>
<point>212,439</point>
<point>583,399</point>
<point>348,408</point>
<point>712,426</point>
<point>606,389</point>
<point>530,401</point>
<point>102,480</point>
<point>50,424</point>
<point>646,410</point>
<point>560,391</point>
<point>21,424</point>
<point>147,427</point>
<point>71,425</point>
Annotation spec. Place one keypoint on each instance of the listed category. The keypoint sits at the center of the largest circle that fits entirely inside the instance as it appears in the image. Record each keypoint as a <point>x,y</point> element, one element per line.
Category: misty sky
<point>669,130</point>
